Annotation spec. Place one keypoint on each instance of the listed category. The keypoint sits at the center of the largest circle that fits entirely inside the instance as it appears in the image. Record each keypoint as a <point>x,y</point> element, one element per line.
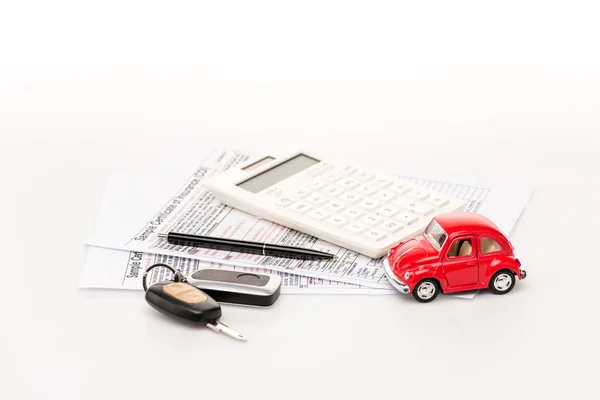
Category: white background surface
<point>500,90</point>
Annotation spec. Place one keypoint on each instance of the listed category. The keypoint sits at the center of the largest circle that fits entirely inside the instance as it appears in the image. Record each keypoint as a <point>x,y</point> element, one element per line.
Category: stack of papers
<point>135,209</point>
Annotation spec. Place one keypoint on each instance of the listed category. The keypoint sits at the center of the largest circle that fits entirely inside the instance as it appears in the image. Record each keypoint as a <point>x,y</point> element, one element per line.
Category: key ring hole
<point>176,274</point>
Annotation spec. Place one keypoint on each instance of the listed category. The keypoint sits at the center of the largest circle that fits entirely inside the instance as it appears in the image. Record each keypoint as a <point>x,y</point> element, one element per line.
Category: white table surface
<point>509,94</point>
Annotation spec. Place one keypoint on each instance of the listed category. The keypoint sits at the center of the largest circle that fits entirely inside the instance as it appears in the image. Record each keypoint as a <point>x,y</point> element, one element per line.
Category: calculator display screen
<point>278,173</point>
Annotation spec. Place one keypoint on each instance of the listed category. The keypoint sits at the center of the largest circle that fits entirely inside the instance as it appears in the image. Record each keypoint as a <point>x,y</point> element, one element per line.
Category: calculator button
<point>300,193</point>
<point>407,218</point>
<point>423,209</point>
<point>413,205</point>
<point>349,183</point>
<point>366,190</point>
<point>437,201</point>
<point>300,207</point>
<point>319,169</point>
<point>388,211</point>
<point>284,201</point>
<point>332,177</point>
<point>333,190</point>
<point>275,192</point>
<point>353,213</point>
<point>368,204</point>
<point>371,219</point>
<point>316,200</point>
<point>350,198</point>
<point>336,221</point>
<point>316,185</point>
<point>382,182</point>
<point>384,196</point>
<point>314,172</point>
<point>355,228</point>
<point>348,169</point>
<point>391,226</point>
<point>400,187</point>
<point>418,194</point>
<point>335,206</point>
<point>318,214</point>
<point>375,234</point>
<point>363,176</point>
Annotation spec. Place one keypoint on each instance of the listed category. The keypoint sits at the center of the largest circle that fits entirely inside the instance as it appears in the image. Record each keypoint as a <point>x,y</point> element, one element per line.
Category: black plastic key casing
<point>183,300</point>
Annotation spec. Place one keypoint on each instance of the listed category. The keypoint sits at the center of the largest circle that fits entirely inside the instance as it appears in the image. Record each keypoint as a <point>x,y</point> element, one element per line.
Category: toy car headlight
<point>406,275</point>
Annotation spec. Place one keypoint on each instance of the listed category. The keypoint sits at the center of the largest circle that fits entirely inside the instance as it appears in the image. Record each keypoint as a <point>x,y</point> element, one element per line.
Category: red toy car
<point>458,252</point>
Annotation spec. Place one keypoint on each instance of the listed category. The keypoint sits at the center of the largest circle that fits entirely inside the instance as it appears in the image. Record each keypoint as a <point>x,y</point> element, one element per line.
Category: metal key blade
<point>218,326</point>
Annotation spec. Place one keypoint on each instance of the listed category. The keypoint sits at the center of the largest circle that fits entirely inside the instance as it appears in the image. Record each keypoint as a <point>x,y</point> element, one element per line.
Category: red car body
<point>458,252</point>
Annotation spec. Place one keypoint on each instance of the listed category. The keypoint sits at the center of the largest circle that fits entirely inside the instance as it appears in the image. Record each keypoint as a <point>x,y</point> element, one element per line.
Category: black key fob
<point>183,300</point>
<point>237,287</point>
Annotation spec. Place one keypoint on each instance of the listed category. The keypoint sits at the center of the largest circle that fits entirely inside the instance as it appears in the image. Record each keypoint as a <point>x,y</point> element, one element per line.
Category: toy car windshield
<point>435,234</point>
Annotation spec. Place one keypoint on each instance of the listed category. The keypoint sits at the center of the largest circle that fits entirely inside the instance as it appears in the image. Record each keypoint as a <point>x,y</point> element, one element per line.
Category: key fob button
<point>183,300</point>
<point>185,293</point>
<point>248,279</point>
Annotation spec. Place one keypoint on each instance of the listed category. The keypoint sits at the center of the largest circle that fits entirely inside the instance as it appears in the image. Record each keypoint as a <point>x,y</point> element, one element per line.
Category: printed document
<point>125,223</point>
<point>120,269</point>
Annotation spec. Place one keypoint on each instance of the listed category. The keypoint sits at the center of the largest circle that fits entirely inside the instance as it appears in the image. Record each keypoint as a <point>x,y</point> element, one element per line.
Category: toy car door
<point>460,263</point>
<point>489,250</point>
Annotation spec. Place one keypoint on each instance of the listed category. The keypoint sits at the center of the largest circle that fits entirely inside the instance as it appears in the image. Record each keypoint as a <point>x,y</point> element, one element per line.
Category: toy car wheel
<point>502,282</point>
<point>426,291</point>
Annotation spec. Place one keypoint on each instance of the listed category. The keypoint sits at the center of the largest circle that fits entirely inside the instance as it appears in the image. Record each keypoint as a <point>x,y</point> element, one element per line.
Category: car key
<point>237,287</point>
<point>178,298</point>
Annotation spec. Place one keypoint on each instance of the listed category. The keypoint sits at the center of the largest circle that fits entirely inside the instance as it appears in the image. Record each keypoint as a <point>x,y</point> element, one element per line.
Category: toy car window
<point>436,235</point>
<point>460,248</point>
<point>489,245</point>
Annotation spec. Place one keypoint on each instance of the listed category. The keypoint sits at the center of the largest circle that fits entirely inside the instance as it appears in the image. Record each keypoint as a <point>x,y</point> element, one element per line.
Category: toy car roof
<point>456,222</point>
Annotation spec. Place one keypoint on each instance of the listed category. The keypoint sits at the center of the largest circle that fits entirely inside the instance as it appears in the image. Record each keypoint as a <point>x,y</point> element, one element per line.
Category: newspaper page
<point>193,209</point>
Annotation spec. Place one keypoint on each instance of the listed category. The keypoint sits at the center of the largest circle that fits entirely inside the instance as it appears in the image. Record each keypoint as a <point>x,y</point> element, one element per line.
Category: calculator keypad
<point>333,190</point>
<point>300,207</point>
<point>437,201</point>
<point>407,218</point>
<point>388,211</point>
<point>317,184</point>
<point>375,234</point>
<point>413,205</point>
<point>317,200</point>
<point>363,176</point>
<point>337,221</point>
<point>350,198</point>
<point>383,182</point>
<point>284,201</point>
<point>335,206</point>
<point>349,183</point>
<point>368,204</point>
<point>392,226</point>
<point>384,196</point>
<point>300,193</point>
<point>371,219</point>
<point>318,214</point>
<point>361,206</point>
<point>353,213</point>
<point>332,177</point>
<point>367,190</point>
<point>355,227</point>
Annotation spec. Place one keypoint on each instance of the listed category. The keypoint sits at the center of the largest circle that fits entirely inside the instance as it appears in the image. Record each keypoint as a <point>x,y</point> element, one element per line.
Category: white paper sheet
<point>192,209</point>
<point>121,269</point>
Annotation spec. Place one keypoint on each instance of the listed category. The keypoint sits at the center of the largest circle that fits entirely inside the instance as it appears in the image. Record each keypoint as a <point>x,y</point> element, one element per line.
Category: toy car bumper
<point>523,274</point>
<point>397,283</point>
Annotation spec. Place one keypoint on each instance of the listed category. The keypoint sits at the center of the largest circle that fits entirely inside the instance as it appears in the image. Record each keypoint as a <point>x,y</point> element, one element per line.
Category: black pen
<point>241,246</point>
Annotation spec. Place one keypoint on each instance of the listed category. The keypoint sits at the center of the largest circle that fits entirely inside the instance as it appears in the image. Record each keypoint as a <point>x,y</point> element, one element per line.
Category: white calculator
<point>349,205</point>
